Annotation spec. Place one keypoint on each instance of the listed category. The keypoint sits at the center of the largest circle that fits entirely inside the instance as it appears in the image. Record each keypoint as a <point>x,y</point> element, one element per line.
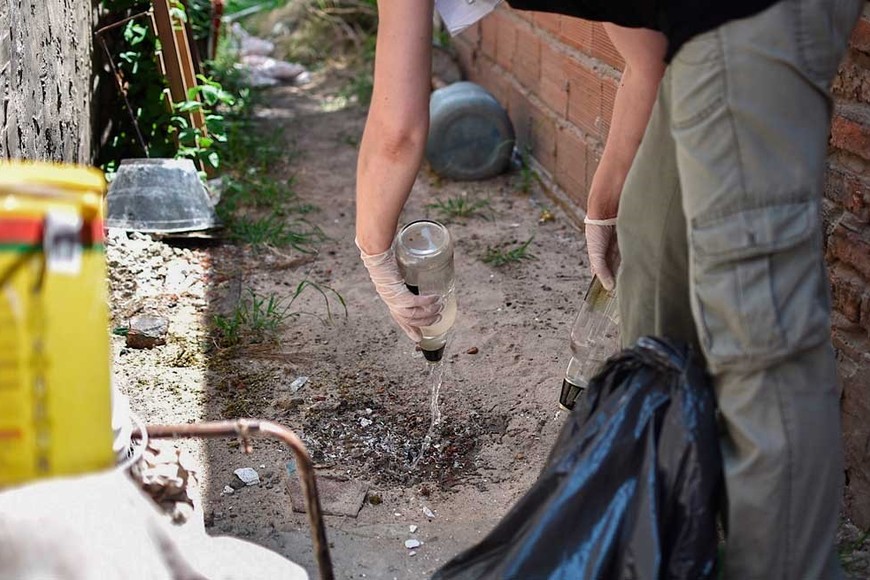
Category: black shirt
<point>679,20</point>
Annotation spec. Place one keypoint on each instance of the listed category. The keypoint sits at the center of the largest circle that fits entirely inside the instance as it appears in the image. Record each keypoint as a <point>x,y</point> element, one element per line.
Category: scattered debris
<point>413,528</point>
<point>412,553</point>
<point>147,331</point>
<point>472,350</point>
<point>248,476</point>
<point>291,467</point>
<point>546,216</point>
<point>412,544</point>
<point>375,499</point>
<point>166,474</point>
<point>298,384</point>
<point>228,490</point>
<point>365,422</point>
<point>428,513</point>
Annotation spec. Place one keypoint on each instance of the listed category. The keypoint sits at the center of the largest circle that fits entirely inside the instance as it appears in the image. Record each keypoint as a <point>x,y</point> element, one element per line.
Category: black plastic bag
<point>631,487</point>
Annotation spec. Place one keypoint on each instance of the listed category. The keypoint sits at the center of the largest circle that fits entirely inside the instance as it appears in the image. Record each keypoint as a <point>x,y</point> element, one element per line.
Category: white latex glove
<point>600,244</point>
<point>408,310</point>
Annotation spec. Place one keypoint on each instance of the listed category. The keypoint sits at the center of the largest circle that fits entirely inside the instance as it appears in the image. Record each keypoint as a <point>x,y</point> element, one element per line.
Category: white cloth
<point>101,526</point>
<point>460,14</point>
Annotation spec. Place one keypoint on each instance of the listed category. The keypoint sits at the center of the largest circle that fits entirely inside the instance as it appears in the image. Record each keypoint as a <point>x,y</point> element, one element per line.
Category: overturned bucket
<point>159,196</point>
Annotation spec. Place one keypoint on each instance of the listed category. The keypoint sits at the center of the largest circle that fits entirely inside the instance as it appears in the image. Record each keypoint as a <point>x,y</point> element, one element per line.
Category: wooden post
<point>176,58</point>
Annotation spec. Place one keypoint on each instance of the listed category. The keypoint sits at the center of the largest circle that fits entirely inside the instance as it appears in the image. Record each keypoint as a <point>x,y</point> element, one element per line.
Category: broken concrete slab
<point>338,497</point>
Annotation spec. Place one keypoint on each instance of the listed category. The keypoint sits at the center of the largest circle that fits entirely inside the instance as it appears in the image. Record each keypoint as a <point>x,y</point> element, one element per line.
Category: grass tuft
<point>500,257</point>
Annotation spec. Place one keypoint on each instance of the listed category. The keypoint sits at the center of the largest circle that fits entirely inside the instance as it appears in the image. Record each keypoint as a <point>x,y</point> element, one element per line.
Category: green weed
<point>273,231</point>
<point>459,206</point>
<point>527,176</point>
<point>499,257</point>
<point>258,319</point>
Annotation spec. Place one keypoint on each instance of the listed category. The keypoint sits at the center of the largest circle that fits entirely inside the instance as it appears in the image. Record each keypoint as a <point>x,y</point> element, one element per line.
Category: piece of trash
<point>412,553</point>
<point>413,528</point>
<point>365,422</point>
<point>147,331</point>
<point>291,467</point>
<point>546,216</point>
<point>412,543</point>
<point>472,350</point>
<point>428,513</point>
<point>375,499</point>
<point>228,490</point>
<point>397,514</point>
<point>298,384</point>
<point>248,476</point>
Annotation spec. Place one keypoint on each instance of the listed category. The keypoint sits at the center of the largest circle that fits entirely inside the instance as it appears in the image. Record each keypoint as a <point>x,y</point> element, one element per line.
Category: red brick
<point>543,138</point>
<point>608,97</point>
<point>576,33</point>
<point>848,189</point>
<point>553,88</point>
<point>518,108</point>
<point>571,164</point>
<point>493,79</point>
<point>861,35</point>
<point>507,40</point>
<point>584,98</point>
<point>850,130</point>
<point>549,22</point>
<point>603,50</point>
<point>471,34</point>
<point>488,36</point>
<point>527,59</point>
<point>853,81</point>
<point>848,291</point>
<point>850,243</point>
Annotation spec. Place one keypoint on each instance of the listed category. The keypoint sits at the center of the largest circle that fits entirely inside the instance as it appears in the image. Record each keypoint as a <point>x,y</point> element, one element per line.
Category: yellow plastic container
<point>55,396</point>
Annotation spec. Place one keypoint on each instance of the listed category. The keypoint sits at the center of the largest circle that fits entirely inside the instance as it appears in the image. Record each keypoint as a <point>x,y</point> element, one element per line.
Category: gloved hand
<point>409,311</point>
<point>601,246</point>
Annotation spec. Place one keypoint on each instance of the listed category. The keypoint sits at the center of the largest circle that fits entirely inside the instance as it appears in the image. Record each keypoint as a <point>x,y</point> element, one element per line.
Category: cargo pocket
<point>758,284</point>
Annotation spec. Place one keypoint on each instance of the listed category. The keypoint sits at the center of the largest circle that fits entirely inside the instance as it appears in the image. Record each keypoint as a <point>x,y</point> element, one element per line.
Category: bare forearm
<point>398,121</point>
<point>643,51</point>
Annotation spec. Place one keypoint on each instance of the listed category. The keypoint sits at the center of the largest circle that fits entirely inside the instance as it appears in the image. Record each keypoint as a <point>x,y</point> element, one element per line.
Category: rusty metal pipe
<point>246,428</point>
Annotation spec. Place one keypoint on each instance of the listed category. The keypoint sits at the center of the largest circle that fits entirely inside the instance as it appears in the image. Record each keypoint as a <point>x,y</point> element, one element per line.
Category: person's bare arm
<point>643,51</point>
<point>391,152</point>
<point>398,122</point>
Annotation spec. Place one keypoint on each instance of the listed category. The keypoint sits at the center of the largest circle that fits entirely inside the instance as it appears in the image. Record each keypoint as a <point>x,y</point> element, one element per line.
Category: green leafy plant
<point>459,206</point>
<point>258,319</point>
<point>273,231</point>
<point>499,257</point>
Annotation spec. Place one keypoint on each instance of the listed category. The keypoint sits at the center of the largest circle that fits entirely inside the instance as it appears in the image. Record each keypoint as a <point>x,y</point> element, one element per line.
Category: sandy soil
<point>365,408</point>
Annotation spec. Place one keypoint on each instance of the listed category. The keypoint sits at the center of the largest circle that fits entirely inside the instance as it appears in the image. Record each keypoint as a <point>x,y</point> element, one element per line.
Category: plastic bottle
<point>594,337</point>
<point>424,251</point>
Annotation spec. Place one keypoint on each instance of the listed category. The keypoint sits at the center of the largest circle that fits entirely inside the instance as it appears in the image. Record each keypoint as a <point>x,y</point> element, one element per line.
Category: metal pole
<point>246,428</point>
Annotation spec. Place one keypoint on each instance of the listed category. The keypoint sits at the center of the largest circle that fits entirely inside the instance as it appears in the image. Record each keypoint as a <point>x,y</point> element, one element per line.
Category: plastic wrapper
<point>631,487</point>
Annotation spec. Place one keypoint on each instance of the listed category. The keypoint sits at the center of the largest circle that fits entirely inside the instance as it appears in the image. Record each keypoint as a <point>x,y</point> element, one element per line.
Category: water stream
<point>435,378</point>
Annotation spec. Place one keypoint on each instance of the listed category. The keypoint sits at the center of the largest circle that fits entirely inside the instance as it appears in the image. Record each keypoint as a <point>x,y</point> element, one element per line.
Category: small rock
<point>412,543</point>
<point>147,331</point>
<point>413,528</point>
<point>472,350</point>
<point>298,384</point>
<point>248,476</point>
<point>236,483</point>
<point>228,490</point>
<point>363,422</point>
<point>520,456</point>
<point>288,403</point>
<point>397,514</point>
<point>375,499</point>
<point>412,553</point>
<point>428,513</point>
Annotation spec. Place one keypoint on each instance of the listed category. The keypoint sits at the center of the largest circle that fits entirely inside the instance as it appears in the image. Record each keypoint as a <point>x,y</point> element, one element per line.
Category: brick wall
<point>557,76</point>
<point>45,79</point>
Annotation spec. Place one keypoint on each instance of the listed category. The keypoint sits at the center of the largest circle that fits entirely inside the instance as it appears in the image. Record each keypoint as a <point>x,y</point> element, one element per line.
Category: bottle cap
<point>433,355</point>
<point>569,395</point>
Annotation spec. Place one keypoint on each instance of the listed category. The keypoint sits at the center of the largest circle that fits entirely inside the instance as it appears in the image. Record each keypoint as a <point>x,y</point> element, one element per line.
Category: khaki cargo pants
<point>721,241</point>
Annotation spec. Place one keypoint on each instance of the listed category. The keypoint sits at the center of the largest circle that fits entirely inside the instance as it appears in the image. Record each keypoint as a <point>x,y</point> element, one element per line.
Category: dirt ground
<point>365,408</point>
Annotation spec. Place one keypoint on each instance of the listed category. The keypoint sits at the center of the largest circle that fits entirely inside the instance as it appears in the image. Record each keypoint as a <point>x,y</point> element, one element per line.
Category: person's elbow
<point>399,141</point>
